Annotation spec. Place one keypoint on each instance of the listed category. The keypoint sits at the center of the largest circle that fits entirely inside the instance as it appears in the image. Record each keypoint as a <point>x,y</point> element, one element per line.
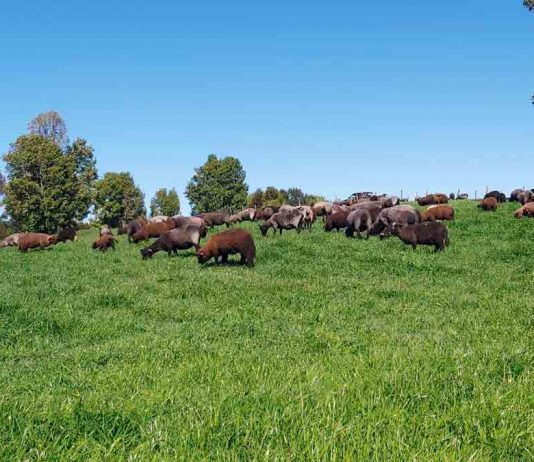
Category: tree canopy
<point>50,125</point>
<point>277,197</point>
<point>47,187</point>
<point>219,184</point>
<point>2,183</point>
<point>165,203</point>
<point>118,199</point>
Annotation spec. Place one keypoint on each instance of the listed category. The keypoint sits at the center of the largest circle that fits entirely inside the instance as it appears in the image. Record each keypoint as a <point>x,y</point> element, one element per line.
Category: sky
<point>333,97</point>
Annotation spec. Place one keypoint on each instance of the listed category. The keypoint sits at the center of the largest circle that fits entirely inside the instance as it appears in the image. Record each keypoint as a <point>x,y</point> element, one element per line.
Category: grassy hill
<point>329,349</point>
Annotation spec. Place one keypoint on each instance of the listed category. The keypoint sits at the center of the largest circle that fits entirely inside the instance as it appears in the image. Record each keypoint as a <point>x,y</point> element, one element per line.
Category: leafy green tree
<point>256,199</point>
<point>118,199</point>
<point>219,184</point>
<point>310,199</point>
<point>271,195</point>
<point>50,125</point>
<point>274,197</point>
<point>165,203</point>
<point>46,187</point>
<point>295,196</point>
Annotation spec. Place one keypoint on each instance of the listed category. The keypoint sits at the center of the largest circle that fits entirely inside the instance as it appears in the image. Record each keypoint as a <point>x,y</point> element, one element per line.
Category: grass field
<point>329,349</point>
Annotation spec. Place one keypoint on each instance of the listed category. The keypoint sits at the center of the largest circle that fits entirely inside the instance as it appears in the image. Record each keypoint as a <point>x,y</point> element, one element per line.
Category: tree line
<point>53,182</point>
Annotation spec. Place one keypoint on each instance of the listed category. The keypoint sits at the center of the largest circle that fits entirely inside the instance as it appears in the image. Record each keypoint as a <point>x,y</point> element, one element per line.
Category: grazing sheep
<point>66,234</point>
<point>499,196</point>
<point>404,214</point>
<point>336,221</point>
<point>525,196</point>
<point>247,214</point>
<point>181,222</point>
<point>215,219</point>
<point>307,216</point>
<point>105,230</point>
<point>36,241</point>
<point>374,208</point>
<point>229,242</point>
<point>429,233</point>
<point>359,221</point>
<point>104,242</point>
<point>11,240</point>
<point>267,213</point>
<point>174,240</point>
<point>152,230</point>
<point>158,219</point>
<point>526,211</point>
<point>429,199</point>
<point>133,228</point>
<point>489,204</point>
<point>283,220</point>
<point>322,209</point>
<point>441,198</point>
<point>438,212</point>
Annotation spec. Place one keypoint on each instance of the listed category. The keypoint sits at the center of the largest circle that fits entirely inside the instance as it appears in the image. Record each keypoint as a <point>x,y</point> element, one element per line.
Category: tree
<point>46,187</point>
<point>50,125</point>
<point>310,199</point>
<point>2,183</point>
<point>256,199</point>
<point>118,199</point>
<point>273,197</point>
<point>219,184</point>
<point>295,196</point>
<point>165,203</point>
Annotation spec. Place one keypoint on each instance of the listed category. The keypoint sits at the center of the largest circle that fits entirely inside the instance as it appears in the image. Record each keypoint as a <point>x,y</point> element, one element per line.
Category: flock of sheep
<point>362,216</point>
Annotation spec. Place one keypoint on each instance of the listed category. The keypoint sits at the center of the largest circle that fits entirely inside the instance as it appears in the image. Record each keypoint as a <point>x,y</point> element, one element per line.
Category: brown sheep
<point>152,230</point>
<point>267,213</point>
<point>215,219</point>
<point>438,212</point>
<point>441,198</point>
<point>429,199</point>
<point>104,242</point>
<point>68,233</point>
<point>526,211</point>
<point>489,204</point>
<point>36,240</point>
<point>430,233</point>
<point>134,227</point>
<point>336,221</point>
<point>226,243</point>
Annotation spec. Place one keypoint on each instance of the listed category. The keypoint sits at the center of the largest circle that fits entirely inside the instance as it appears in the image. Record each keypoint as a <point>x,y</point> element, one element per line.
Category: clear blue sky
<point>331,96</point>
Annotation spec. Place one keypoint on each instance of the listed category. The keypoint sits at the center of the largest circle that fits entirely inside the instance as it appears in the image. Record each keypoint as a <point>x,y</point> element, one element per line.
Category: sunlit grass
<point>329,349</point>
